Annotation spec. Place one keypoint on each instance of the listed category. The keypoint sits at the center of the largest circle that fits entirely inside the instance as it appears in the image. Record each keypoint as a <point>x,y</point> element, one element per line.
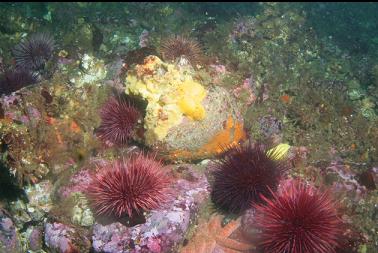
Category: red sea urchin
<point>179,46</point>
<point>118,119</point>
<point>299,219</point>
<point>129,187</point>
<point>33,52</point>
<point>14,80</point>
<point>242,176</point>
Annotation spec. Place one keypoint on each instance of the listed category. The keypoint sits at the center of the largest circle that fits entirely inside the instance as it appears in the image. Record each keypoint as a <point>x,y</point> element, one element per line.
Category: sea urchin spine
<point>242,176</point>
<point>129,187</point>
<point>299,219</point>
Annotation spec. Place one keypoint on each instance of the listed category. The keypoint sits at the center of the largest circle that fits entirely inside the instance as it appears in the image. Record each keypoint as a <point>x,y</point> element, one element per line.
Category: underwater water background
<point>189,127</point>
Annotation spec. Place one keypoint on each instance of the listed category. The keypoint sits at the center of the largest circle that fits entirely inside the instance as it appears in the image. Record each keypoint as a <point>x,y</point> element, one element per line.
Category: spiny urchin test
<point>118,119</point>
<point>242,176</point>
<point>298,219</point>
<point>33,52</point>
<point>129,187</point>
<point>179,46</point>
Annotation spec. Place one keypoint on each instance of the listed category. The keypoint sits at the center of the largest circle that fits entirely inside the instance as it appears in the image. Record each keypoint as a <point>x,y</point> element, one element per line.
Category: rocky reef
<point>224,98</point>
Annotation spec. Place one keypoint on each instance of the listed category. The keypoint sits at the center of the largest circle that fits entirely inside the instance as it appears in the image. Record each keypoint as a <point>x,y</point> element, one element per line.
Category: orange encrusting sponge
<point>231,135</point>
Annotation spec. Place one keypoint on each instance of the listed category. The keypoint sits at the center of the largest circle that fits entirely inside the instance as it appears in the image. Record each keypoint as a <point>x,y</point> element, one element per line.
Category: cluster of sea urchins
<point>176,47</point>
<point>129,187</point>
<point>298,219</point>
<point>30,55</point>
<point>118,120</point>
<point>243,176</point>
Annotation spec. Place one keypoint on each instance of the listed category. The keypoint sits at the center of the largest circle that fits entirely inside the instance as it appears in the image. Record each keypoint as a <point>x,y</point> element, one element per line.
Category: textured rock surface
<point>39,199</point>
<point>62,238</point>
<point>77,183</point>
<point>50,127</point>
<point>9,241</point>
<point>184,119</point>
<point>191,135</point>
<point>35,238</point>
<point>57,237</point>
<point>203,139</point>
<point>164,229</point>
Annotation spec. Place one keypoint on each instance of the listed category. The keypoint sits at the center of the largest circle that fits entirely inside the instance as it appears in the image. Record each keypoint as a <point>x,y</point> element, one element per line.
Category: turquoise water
<point>179,127</point>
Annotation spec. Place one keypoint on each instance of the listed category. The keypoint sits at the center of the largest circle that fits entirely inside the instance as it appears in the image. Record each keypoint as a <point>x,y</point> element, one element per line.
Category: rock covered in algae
<point>63,238</point>
<point>76,184</point>
<point>9,241</point>
<point>35,238</point>
<point>92,71</point>
<point>35,209</point>
<point>50,127</point>
<point>184,120</point>
<point>71,195</point>
<point>164,229</point>
<point>81,214</point>
<point>171,94</point>
<point>39,198</point>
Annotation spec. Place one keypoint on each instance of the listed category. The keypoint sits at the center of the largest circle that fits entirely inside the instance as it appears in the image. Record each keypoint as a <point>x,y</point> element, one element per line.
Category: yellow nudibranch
<point>171,94</point>
<point>279,152</point>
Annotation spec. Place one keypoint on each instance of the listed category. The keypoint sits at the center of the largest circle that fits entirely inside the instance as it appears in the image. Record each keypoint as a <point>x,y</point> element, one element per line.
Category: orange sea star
<point>212,237</point>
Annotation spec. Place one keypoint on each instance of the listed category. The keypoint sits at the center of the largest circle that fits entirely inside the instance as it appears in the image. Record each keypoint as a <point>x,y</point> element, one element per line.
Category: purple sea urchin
<point>118,119</point>
<point>129,187</point>
<point>299,219</point>
<point>14,80</point>
<point>179,46</point>
<point>33,52</point>
<point>242,176</point>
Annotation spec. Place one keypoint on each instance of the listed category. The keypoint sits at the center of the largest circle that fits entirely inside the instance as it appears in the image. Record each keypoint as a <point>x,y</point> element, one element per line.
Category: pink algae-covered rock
<point>57,237</point>
<point>246,87</point>
<point>36,238</point>
<point>144,38</point>
<point>217,72</point>
<point>78,183</point>
<point>164,229</point>
<point>9,241</point>
<point>80,180</point>
<point>63,239</point>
